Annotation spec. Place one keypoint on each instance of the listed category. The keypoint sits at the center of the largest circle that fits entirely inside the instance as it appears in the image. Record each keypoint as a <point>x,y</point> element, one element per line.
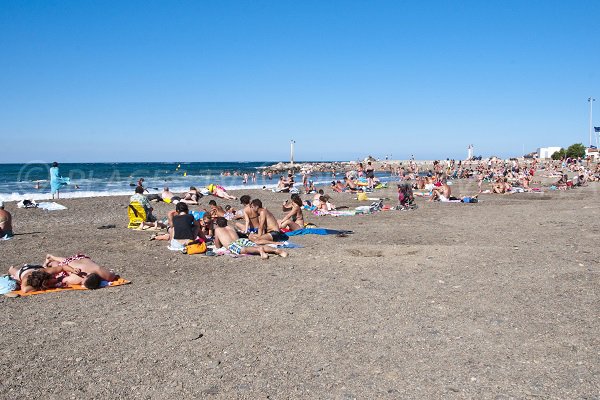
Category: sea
<point>31,180</point>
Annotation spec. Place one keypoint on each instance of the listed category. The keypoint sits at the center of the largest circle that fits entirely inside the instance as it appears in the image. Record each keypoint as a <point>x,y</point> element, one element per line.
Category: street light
<point>591,101</point>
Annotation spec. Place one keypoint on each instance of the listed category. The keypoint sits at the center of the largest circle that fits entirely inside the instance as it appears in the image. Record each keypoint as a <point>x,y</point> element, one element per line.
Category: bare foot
<point>282,254</point>
<point>263,255</point>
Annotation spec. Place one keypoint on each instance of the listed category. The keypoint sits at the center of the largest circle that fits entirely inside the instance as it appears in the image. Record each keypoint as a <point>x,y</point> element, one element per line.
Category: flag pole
<point>591,101</point>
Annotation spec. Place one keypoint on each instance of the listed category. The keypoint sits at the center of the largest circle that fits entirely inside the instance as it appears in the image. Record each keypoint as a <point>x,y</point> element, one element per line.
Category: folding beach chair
<point>136,213</point>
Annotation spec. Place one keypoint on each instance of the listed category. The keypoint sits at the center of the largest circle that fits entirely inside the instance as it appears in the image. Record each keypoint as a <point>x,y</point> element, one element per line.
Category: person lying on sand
<point>219,191</point>
<point>37,277</point>
<point>192,196</point>
<point>268,227</point>
<point>86,272</point>
<point>226,236</point>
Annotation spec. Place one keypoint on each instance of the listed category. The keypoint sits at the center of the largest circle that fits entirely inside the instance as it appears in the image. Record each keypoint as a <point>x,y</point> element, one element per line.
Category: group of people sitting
<point>253,227</point>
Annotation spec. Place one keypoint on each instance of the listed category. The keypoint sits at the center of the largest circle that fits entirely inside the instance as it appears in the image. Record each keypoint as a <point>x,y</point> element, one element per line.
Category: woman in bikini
<point>192,196</point>
<point>294,219</point>
<point>38,277</point>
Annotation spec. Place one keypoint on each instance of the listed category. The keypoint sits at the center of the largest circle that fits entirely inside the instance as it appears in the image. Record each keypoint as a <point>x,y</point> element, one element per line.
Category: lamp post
<point>591,101</point>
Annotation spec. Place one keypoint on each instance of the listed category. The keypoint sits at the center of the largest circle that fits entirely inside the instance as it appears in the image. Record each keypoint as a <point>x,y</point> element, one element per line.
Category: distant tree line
<point>573,151</point>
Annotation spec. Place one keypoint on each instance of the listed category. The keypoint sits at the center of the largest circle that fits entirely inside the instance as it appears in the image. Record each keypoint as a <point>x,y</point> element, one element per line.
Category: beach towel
<point>336,213</point>
<point>285,245</point>
<point>50,206</point>
<point>316,231</point>
<point>104,284</point>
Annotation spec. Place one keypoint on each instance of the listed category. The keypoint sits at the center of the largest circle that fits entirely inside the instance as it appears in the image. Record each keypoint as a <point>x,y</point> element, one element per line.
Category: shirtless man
<point>169,197</point>
<point>86,272</point>
<point>268,227</point>
<point>215,210</point>
<point>250,224</point>
<point>441,193</point>
<point>226,236</point>
<point>6,229</point>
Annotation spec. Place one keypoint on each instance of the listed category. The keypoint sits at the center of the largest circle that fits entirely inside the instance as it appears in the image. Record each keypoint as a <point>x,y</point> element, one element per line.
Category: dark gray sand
<point>495,300</point>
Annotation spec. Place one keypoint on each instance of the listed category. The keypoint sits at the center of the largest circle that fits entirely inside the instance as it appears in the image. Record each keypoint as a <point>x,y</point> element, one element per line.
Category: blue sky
<point>237,80</point>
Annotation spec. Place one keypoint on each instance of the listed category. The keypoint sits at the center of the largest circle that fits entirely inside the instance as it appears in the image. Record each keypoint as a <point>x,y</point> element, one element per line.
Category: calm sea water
<point>20,181</point>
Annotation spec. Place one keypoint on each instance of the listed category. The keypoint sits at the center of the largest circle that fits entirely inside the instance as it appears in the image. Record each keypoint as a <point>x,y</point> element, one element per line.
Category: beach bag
<point>195,247</point>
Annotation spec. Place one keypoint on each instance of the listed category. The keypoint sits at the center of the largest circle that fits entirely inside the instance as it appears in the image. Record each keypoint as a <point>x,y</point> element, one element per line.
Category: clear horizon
<point>230,80</point>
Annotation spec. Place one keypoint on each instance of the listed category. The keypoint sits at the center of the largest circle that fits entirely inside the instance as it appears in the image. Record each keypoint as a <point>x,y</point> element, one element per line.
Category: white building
<point>546,152</point>
<point>593,153</point>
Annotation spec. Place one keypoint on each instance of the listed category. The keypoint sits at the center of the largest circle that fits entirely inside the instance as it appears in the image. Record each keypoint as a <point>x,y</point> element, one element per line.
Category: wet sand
<point>494,300</point>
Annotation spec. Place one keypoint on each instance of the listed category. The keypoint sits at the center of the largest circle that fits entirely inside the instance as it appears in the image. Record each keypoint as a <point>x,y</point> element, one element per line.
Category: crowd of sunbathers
<point>253,229</point>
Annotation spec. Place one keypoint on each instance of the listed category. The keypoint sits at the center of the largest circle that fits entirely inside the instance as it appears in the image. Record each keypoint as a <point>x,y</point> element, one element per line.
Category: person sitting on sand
<point>232,214</point>
<point>294,219</point>
<point>207,226</point>
<point>268,227</point>
<point>350,185</point>
<point>192,196</point>
<point>250,216</point>
<point>87,273</point>
<point>143,200</point>
<point>498,186</point>
<point>182,225</point>
<point>226,236</point>
<point>216,210</point>
<point>282,186</point>
<point>36,277</point>
<point>6,229</point>
<point>441,192</point>
<point>219,191</point>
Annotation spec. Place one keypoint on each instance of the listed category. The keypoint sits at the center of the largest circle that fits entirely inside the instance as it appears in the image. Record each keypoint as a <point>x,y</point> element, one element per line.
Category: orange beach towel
<point>118,282</point>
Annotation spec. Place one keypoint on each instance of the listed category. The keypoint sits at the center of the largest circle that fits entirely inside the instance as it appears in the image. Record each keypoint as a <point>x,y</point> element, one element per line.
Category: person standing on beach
<point>57,181</point>
<point>370,172</point>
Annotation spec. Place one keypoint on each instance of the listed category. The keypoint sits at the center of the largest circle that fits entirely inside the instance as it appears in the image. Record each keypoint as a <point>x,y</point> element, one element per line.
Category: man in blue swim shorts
<point>268,227</point>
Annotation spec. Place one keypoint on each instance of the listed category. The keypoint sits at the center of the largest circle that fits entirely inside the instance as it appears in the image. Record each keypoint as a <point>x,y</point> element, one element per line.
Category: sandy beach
<point>495,300</point>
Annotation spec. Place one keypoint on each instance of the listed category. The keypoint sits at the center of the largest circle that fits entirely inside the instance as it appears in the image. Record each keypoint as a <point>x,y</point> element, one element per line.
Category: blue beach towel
<point>316,231</point>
